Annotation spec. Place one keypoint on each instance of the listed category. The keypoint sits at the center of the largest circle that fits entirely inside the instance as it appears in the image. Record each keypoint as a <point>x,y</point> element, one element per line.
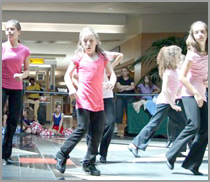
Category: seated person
<point>147,87</point>
<point>57,124</point>
<point>33,98</point>
<point>28,119</point>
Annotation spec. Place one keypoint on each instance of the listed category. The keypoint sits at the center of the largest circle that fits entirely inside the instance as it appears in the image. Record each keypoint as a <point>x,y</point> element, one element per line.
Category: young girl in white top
<point>168,60</point>
<point>194,77</point>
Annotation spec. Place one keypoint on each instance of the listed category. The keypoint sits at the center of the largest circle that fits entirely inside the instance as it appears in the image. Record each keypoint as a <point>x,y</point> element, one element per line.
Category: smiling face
<point>199,33</point>
<point>89,42</point>
<point>11,31</point>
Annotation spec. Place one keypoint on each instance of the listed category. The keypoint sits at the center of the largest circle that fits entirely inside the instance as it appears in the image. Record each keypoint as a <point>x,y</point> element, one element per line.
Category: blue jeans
<point>14,116</point>
<point>121,104</point>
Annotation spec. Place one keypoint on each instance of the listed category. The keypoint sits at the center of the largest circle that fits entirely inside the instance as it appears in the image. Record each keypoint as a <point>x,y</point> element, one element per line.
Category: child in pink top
<point>90,61</point>
<point>14,54</point>
<point>168,59</point>
<point>194,75</point>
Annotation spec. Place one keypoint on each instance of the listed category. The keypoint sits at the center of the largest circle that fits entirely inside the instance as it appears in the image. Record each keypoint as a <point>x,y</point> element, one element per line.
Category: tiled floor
<point>35,156</point>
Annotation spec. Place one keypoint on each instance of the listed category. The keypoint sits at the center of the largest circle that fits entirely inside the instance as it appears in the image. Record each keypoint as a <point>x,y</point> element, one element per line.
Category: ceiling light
<point>59,27</point>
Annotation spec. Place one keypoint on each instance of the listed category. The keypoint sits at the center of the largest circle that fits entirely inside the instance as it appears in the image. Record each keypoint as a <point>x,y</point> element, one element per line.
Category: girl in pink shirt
<point>14,55</point>
<point>89,61</point>
<point>168,59</point>
<point>193,76</point>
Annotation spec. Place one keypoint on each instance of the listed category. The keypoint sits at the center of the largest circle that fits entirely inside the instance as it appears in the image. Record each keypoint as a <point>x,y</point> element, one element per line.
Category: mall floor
<point>35,161</point>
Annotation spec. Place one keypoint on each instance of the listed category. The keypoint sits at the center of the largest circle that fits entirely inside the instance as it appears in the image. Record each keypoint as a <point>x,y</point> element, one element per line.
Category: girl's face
<point>12,32</point>
<point>146,79</point>
<point>58,108</point>
<point>89,43</point>
<point>199,33</point>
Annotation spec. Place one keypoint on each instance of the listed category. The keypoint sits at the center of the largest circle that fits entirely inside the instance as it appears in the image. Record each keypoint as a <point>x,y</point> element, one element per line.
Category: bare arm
<point>183,78</point>
<point>110,84</point>
<point>157,90</point>
<point>115,57</point>
<point>68,80</point>
<point>122,88</point>
<point>21,76</point>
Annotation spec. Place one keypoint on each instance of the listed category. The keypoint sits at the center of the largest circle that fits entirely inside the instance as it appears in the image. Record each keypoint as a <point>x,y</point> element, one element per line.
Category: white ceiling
<point>51,30</point>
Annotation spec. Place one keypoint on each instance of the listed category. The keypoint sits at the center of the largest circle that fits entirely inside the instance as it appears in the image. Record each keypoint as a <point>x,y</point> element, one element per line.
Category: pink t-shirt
<point>197,74</point>
<point>172,86</point>
<point>91,76</point>
<point>12,60</point>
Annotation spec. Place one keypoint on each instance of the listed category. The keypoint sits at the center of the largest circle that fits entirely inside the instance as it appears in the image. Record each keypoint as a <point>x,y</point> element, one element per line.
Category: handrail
<point>64,93</point>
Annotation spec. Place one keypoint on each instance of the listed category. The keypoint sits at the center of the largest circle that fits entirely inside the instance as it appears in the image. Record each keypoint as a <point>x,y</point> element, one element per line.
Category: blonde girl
<point>89,61</point>
<point>168,60</point>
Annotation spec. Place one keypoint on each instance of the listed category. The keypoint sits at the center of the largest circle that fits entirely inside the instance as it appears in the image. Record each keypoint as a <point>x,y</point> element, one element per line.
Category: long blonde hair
<point>80,48</point>
<point>191,42</point>
<point>168,58</point>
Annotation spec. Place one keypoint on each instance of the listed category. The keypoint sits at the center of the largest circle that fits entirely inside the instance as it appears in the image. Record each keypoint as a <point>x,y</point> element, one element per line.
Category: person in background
<point>125,85</point>
<point>147,87</point>
<point>33,98</point>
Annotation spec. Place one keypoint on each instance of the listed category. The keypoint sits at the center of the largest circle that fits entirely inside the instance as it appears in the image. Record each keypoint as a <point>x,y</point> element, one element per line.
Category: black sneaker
<point>9,161</point>
<point>91,168</point>
<point>61,164</point>
<point>103,159</point>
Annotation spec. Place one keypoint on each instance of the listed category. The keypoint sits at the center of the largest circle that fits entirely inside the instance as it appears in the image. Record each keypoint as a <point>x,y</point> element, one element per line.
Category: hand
<point>108,85</point>
<point>18,77</point>
<point>206,83</point>
<point>198,99</point>
<point>177,108</point>
<point>73,93</point>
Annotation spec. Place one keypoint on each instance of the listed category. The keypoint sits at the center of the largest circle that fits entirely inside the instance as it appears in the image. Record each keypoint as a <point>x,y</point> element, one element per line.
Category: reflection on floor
<point>35,161</point>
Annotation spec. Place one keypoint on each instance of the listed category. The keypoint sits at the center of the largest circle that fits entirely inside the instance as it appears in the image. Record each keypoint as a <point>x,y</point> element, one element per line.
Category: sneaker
<point>91,168</point>
<point>9,161</point>
<point>61,164</point>
<point>103,159</point>
<point>134,150</point>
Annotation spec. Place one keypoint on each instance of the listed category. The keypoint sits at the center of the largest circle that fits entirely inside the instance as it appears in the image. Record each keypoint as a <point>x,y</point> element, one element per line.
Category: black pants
<point>14,116</point>
<point>198,127</point>
<point>143,138</point>
<point>87,120</point>
<point>109,109</point>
